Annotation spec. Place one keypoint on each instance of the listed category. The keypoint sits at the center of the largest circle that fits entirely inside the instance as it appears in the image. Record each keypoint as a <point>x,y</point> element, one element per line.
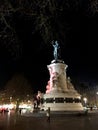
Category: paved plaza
<point>58,122</point>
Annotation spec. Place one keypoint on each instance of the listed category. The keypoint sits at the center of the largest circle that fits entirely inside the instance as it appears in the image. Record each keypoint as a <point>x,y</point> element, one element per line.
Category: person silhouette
<point>48,114</point>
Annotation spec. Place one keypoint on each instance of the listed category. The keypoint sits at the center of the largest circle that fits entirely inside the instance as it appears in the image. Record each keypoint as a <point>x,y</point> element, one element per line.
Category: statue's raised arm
<point>56,50</point>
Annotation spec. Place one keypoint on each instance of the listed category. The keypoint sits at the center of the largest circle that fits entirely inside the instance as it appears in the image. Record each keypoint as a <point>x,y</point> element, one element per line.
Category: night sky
<point>79,52</point>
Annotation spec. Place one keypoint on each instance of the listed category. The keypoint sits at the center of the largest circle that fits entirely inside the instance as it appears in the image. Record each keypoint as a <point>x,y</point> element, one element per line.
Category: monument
<point>60,93</point>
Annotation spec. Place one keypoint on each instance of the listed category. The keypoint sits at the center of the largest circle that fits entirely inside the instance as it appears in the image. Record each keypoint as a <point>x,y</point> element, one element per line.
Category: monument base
<point>60,93</point>
<point>62,101</point>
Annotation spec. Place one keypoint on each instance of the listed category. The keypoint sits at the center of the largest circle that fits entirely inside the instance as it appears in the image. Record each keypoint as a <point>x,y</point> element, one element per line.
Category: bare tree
<point>49,18</point>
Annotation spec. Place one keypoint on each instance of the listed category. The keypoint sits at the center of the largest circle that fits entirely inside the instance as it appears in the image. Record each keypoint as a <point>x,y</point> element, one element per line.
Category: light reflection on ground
<point>9,121</point>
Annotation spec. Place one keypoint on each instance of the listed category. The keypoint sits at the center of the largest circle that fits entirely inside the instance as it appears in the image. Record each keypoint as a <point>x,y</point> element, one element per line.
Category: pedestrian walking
<point>48,114</point>
<point>20,111</point>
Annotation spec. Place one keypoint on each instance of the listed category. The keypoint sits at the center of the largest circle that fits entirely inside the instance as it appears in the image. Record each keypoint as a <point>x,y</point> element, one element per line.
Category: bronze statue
<point>56,52</point>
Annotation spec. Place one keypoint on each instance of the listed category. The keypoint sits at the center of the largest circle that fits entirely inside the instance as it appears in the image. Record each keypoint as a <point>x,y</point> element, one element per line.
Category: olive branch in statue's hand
<point>52,42</point>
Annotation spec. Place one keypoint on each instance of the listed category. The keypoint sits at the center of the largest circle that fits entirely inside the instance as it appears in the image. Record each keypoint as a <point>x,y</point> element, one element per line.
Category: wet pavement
<point>36,121</point>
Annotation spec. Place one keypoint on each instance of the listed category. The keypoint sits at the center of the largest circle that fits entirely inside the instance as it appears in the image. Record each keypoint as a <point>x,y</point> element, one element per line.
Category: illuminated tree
<point>18,89</point>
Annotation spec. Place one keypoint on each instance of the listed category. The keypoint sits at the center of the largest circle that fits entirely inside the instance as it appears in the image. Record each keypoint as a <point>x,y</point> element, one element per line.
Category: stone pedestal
<point>60,93</point>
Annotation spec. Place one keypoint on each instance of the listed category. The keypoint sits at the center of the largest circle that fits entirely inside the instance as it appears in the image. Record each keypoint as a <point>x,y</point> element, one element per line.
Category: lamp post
<point>97,98</point>
<point>10,99</point>
<point>85,101</point>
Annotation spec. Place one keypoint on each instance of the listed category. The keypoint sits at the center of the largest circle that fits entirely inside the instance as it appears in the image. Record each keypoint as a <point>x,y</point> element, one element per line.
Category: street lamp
<point>85,101</point>
<point>97,98</point>
<point>10,99</point>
